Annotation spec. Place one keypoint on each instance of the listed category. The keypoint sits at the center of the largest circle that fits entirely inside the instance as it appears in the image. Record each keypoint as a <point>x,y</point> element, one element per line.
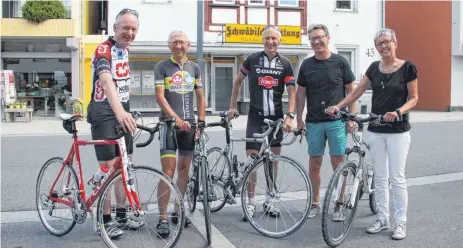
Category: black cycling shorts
<point>104,129</point>
<point>170,142</point>
<point>256,125</point>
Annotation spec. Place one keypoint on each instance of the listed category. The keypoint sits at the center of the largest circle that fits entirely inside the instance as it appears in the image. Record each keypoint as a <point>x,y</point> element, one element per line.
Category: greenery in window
<point>39,11</point>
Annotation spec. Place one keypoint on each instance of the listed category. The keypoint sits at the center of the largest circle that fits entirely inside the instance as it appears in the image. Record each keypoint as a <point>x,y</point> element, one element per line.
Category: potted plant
<point>39,11</point>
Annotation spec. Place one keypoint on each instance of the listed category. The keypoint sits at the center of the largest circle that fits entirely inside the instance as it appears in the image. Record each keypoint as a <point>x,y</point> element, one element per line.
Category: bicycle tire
<point>206,204</point>
<point>192,194</point>
<point>307,183</point>
<point>228,167</point>
<point>166,179</point>
<point>326,202</point>
<point>372,197</point>
<point>38,200</point>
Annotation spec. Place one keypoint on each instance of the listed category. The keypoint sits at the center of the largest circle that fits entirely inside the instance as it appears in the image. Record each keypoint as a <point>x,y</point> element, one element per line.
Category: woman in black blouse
<point>395,93</point>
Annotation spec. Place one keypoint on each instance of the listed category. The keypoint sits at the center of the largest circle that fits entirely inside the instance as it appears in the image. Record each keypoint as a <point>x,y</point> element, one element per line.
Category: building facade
<point>435,46</point>
<point>231,32</point>
<point>44,57</point>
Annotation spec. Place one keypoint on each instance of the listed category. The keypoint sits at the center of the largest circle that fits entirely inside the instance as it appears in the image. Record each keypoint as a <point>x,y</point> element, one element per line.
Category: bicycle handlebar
<point>372,119</point>
<point>277,125</point>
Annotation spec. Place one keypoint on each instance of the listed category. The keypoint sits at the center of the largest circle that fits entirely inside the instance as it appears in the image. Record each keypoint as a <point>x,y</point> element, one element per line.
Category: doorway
<point>223,75</point>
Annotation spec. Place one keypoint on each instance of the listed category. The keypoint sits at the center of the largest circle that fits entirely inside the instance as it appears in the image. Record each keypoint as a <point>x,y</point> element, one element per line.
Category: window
<point>347,55</point>
<point>223,2</point>
<point>157,1</point>
<point>288,3</point>
<point>256,2</point>
<point>346,5</point>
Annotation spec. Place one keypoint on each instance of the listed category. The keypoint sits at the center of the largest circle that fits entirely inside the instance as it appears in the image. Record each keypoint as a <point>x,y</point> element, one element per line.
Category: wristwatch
<point>292,115</point>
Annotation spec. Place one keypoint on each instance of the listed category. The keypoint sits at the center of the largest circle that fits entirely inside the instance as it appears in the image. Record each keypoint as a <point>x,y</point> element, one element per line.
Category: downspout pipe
<point>383,13</point>
<point>82,53</point>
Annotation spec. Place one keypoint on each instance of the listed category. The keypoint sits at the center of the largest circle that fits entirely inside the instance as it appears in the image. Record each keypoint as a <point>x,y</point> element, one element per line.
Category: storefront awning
<point>216,49</point>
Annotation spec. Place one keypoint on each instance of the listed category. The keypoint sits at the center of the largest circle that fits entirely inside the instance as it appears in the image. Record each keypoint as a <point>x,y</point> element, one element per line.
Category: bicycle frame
<point>75,153</point>
<point>361,175</point>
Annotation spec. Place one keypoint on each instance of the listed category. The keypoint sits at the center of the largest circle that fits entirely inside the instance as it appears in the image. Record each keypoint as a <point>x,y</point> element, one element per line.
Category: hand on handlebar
<point>288,124</point>
<point>390,117</point>
<point>127,122</point>
<point>332,110</point>
<point>182,125</point>
<point>232,113</point>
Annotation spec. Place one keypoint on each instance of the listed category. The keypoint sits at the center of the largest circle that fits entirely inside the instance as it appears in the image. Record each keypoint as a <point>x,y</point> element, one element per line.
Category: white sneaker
<point>400,232</point>
<point>251,209</point>
<point>338,215</point>
<point>377,227</point>
<point>270,209</point>
<point>316,209</point>
<point>129,222</point>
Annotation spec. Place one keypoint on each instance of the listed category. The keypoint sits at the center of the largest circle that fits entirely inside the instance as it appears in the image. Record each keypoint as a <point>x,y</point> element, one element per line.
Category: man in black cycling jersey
<point>176,78</point>
<point>109,107</point>
<point>268,74</point>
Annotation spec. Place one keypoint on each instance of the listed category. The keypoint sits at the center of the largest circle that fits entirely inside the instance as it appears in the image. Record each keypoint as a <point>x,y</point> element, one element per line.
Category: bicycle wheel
<point>205,190</point>
<point>372,198</point>
<point>336,184</point>
<point>220,171</point>
<point>65,190</point>
<point>157,187</point>
<point>295,188</point>
<point>192,188</point>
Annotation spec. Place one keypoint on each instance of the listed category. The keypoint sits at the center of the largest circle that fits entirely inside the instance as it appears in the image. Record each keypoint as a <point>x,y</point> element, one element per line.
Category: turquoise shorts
<point>333,131</point>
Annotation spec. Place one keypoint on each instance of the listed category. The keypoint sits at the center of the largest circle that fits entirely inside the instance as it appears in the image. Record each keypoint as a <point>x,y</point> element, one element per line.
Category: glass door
<point>223,75</point>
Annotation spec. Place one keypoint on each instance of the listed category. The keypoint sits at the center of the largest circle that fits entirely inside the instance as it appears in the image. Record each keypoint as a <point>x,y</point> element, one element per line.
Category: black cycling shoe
<point>163,228</point>
<point>174,219</point>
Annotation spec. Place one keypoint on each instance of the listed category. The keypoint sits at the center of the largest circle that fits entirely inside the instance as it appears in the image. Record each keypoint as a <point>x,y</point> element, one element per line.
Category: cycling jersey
<point>267,80</point>
<point>179,82</point>
<point>112,58</point>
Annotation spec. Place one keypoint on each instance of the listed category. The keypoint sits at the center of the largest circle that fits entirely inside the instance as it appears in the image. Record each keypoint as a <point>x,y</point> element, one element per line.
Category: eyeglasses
<point>313,39</point>
<point>386,42</point>
<point>271,26</point>
<point>125,11</point>
<point>179,42</point>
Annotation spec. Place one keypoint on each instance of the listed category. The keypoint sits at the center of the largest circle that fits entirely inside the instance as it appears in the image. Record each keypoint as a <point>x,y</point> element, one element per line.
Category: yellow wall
<point>89,49</point>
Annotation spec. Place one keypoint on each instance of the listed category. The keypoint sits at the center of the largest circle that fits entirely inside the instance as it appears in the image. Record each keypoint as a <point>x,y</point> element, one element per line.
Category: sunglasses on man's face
<point>125,11</point>
<point>271,26</point>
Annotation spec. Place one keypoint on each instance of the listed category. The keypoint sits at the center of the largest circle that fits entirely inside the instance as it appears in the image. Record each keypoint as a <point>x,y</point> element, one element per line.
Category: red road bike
<point>66,195</point>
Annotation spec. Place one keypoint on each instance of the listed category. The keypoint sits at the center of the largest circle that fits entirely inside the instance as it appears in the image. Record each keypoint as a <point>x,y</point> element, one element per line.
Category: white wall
<point>350,29</point>
<point>158,20</point>
<point>456,96</point>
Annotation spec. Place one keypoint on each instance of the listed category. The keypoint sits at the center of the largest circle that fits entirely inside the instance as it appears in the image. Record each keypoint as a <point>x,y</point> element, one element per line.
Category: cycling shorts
<point>256,125</point>
<point>172,140</point>
<point>104,129</point>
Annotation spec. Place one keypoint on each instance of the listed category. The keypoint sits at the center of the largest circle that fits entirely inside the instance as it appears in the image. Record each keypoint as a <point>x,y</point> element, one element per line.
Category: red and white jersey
<point>109,57</point>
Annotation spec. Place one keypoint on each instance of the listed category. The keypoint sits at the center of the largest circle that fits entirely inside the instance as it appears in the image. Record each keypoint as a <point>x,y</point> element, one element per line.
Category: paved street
<point>434,170</point>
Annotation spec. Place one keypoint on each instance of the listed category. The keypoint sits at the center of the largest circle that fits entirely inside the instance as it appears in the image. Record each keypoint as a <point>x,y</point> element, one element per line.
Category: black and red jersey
<point>267,81</point>
<point>109,57</point>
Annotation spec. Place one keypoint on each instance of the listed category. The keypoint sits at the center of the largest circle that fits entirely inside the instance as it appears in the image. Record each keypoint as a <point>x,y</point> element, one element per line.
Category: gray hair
<point>126,11</point>
<point>318,26</point>
<point>175,33</point>
<point>387,32</point>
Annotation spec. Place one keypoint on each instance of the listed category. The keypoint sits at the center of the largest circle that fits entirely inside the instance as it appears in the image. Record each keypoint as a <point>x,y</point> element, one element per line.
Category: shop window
<point>288,3</point>
<point>45,86</point>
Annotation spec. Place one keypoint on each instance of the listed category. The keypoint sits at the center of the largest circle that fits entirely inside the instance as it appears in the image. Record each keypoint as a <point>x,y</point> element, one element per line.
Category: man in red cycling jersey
<point>109,107</point>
